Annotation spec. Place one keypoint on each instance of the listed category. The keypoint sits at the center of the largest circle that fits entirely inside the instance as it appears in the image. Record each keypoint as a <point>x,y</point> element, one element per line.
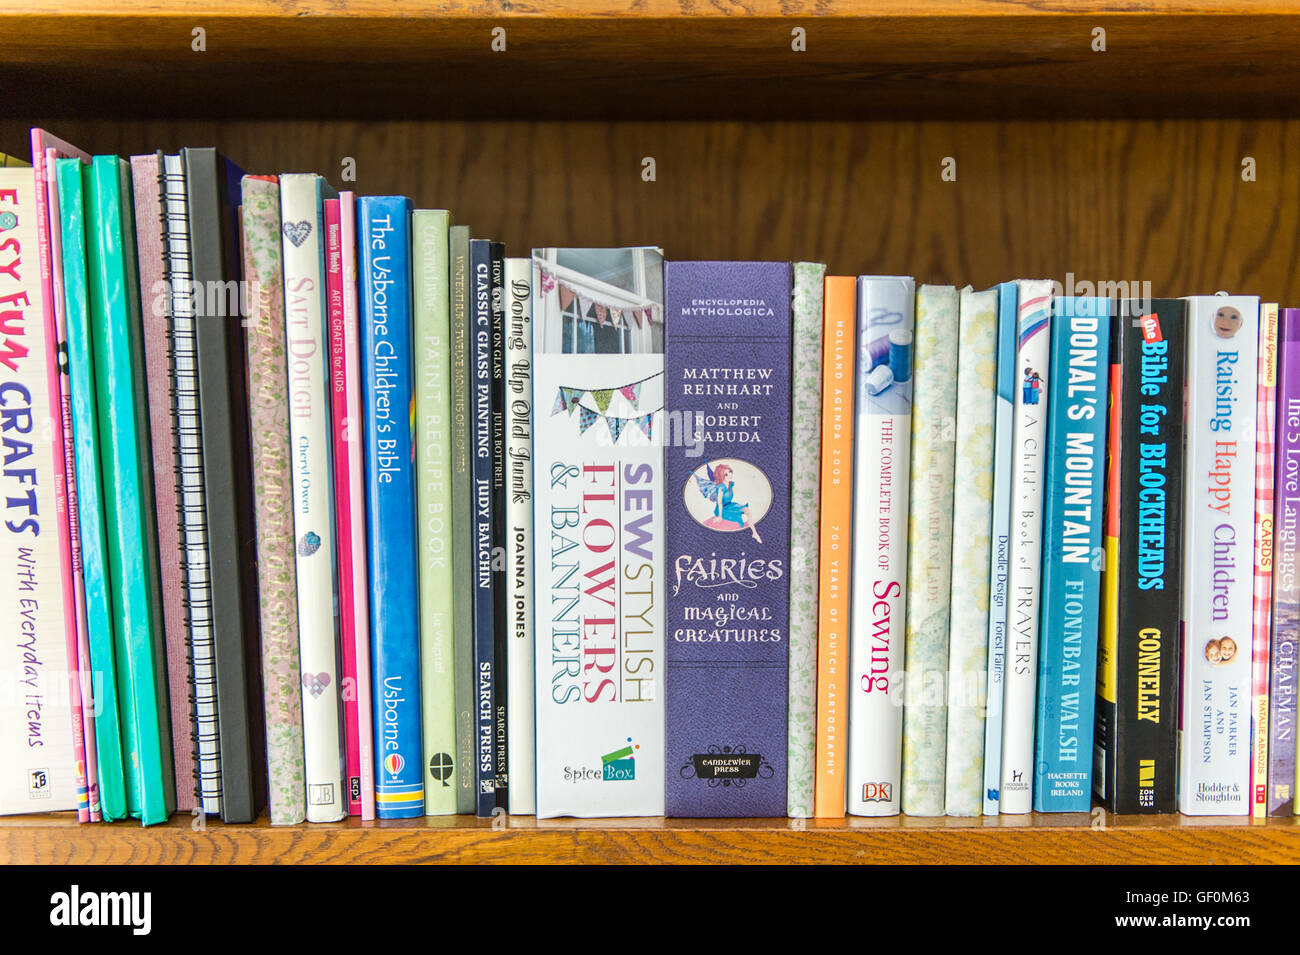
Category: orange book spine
<point>836,537</point>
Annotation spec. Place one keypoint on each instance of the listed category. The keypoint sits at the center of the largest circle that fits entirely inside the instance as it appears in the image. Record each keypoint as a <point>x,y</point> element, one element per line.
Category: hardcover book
<point>727,345</point>
<point>1262,610</point>
<point>1137,660</point>
<point>805,543</point>
<point>929,549</point>
<point>1072,554</point>
<point>1286,572</point>
<point>972,516</point>
<point>839,326</point>
<point>883,383</point>
<point>598,324</point>
<point>1219,527</point>
<point>1024,587</point>
<point>500,631</point>
<point>273,499</point>
<point>384,236</point>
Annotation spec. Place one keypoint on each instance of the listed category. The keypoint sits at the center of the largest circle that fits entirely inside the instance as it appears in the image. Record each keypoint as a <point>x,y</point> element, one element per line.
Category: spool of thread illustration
<point>878,351</point>
<point>879,379</point>
<point>900,354</point>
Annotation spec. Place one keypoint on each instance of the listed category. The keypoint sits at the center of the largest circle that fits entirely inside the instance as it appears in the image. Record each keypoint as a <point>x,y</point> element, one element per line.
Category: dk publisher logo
<point>877,792</point>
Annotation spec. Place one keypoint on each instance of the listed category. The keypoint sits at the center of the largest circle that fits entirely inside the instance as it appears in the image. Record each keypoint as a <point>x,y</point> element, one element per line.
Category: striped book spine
<point>1262,607</point>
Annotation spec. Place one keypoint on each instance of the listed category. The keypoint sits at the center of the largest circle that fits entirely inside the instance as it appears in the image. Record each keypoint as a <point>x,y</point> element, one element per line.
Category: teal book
<point>90,492</point>
<point>133,576</point>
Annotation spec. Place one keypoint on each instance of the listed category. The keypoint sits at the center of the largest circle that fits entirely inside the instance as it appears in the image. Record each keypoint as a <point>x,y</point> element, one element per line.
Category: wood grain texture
<point>585,59</point>
<point>1072,839</point>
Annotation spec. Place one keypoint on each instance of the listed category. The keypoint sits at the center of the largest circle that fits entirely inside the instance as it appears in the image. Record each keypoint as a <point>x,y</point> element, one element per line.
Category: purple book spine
<point>727,341</point>
<point>1286,572</point>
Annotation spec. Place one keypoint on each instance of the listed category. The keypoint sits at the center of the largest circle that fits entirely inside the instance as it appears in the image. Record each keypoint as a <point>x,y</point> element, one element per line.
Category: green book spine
<point>462,520</point>
<point>116,338</point>
<point>431,266</point>
<point>99,607</point>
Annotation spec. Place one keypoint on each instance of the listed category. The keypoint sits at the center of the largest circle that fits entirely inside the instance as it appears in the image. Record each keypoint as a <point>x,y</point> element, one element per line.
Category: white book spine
<point>1218,555</point>
<point>885,308</point>
<point>1033,341</point>
<point>306,355</point>
<point>521,729</point>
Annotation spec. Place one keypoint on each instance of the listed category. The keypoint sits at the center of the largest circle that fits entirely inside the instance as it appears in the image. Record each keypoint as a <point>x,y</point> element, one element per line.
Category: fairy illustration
<point>719,486</point>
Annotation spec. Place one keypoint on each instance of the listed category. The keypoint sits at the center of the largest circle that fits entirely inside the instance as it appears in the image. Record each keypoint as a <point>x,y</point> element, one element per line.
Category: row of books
<point>320,503</point>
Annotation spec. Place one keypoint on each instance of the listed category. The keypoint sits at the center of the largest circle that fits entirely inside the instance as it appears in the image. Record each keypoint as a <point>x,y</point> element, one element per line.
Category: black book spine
<point>500,618</point>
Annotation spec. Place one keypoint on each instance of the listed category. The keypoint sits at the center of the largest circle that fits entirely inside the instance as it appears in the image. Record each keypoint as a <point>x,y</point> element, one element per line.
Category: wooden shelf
<point>57,839</point>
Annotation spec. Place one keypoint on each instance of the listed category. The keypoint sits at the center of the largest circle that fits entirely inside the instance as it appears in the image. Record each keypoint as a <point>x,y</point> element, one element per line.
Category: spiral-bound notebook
<point>191,497</point>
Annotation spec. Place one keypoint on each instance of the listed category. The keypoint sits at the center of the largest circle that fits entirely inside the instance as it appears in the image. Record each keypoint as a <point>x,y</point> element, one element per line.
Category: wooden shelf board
<point>1073,838</point>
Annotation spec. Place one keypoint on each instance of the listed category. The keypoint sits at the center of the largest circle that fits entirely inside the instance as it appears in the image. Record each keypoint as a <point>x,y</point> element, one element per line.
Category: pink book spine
<point>156,304</point>
<point>45,150</point>
<point>1265,537</point>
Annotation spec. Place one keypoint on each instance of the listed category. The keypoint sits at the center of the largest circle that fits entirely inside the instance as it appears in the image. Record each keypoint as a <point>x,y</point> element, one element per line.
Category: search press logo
<point>116,909</point>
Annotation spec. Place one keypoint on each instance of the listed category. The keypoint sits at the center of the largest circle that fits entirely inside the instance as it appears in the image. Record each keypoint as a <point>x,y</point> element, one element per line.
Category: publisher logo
<point>877,792</point>
<point>619,765</point>
<point>38,784</point>
<point>727,766</point>
<point>320,794</point>
<point>393,763</point>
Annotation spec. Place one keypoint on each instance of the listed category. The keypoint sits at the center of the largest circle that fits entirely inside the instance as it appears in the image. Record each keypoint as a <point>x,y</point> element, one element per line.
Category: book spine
<point>309,304</point>
<point>929,550</point>
<point>1072,554</point>
<point>384,235</point>
<point>1286,573</point>
<point>1261,615</point>
<point>1214,764</point>
<point>835,536</point>
<point>429,231</point>
<point>191,493</point>
<point>350,515</point>
<point>65,476</point>
<point>1105,736</point>
<point>883,384</point>
<point>101,691</point>
<point>36,778</point>
<point>150,234</point>
<point>805,483</point>
<point>480,309</point>
<point>522,768</point>
<point>1024,587</point>
<point>599,500</point>
<point>972,517</point>
<point>273,496</point>
<point>1000,542</point>
<point>500,625</point>
<point>726,685</point>
<point>462,523</point>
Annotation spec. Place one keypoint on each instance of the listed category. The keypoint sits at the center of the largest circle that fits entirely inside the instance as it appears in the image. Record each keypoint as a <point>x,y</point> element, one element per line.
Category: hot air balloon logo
<point>393,762</point>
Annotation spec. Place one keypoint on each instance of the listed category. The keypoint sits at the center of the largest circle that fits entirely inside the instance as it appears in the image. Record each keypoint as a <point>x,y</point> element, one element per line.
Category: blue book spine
<point>1003,433</point>
<point>384,224</point>
<point>1073,519</point>
<point>480,271</point>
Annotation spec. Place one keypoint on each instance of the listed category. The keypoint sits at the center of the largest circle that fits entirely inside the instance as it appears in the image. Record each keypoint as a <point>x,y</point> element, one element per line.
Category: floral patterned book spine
<point>805,483</point>
<point>268,405</point>
<point>972,518</point>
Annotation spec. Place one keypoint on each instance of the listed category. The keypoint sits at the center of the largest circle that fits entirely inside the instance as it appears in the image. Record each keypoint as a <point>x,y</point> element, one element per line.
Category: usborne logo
<point>393,762</point>
<point>877,792</point>
<point>620,765</point>
<point>74,907</point>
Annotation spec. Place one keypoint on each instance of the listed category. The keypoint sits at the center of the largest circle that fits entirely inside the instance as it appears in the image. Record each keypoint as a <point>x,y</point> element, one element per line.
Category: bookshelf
<point>1116,166</point>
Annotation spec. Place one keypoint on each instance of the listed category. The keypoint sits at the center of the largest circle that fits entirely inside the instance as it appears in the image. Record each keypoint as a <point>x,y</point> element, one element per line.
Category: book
<point>835,538</point>
<point>273,499</point>
<point>1000,542</point>
<point>929,549</point>
<point>432,302</point>
<point>971,542</point>
<point>805,545</point>
<point>100,697</point>
<point>883,383</point>
<point>134,585</point>
<point>1135,737</point>
<point>462,522</point>
<point>484,497</point>
<point>727,347</point>
<point>500,622</point>
<point>1262,607</point>
<point>36,734</point>
<point>148,189</point>
<point>306,226</point>
<point>191,492</point>
<point>350,515</point>
<point>212,199</point>
<point>1072,555</point>
<point>1286,572</point>
<point>384,237</point>
<point>598,504</point>
<point>1024,587</point>
<point>1218,531</point>
<point>521,730</point>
